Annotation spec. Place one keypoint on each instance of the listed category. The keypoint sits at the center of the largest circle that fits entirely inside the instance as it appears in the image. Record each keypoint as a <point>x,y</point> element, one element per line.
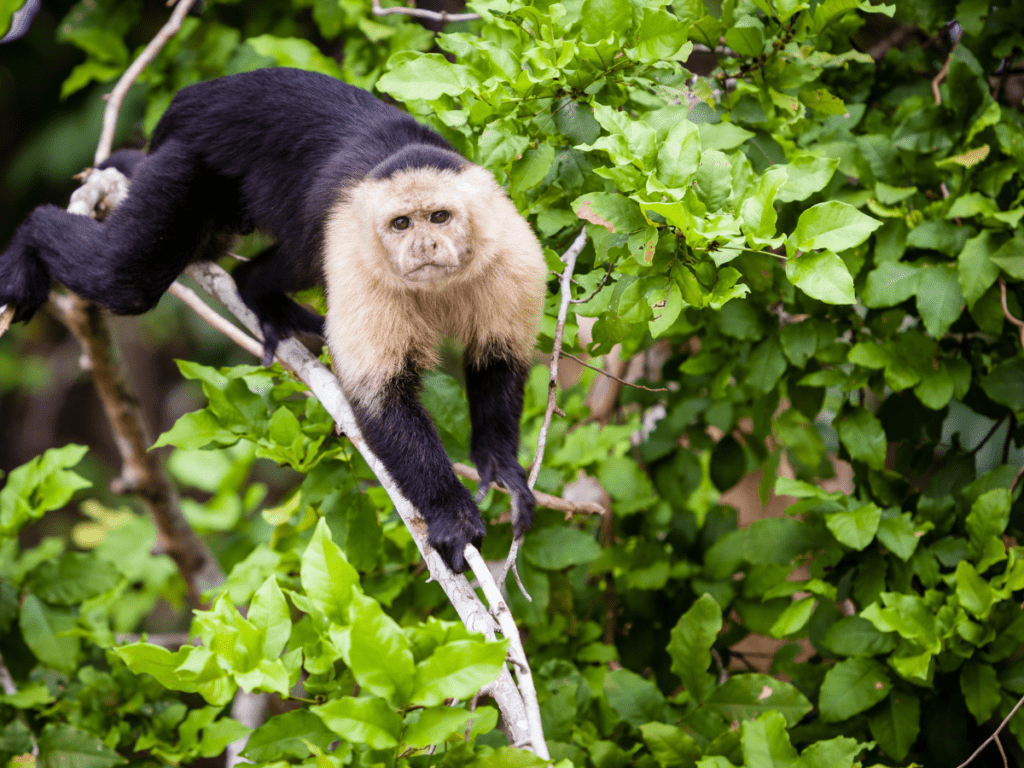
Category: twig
<point>500,610</point>
<point>325,387</point>
<point>422,13</point>
<point>1006,312</point>
<point>569,259</point>
<point>995,735</point>
<point>942,74</point>
<point>556,503</point>
<point>596,290</point>
<point>201,308</point>
<point>116,96</point>
<point>611,376</point>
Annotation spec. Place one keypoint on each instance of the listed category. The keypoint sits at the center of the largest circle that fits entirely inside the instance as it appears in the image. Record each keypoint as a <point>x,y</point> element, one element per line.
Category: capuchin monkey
<point>410,240</point>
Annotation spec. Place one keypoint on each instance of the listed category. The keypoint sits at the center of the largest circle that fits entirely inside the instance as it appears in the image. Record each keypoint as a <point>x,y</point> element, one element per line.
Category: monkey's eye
<point>439,217</point>
<point>402,222</point>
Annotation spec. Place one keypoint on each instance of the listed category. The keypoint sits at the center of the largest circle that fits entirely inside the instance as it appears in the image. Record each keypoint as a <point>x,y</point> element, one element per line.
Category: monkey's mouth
<point>430,273</point>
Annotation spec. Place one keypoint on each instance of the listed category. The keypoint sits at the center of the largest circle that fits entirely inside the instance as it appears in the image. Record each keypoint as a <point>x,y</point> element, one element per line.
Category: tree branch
<point>141,471</point>
<point>116,96</point>
<point>422,13</point>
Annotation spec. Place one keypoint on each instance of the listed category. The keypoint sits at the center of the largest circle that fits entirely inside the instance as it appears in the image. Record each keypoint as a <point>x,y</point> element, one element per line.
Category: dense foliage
<point>816,236</point>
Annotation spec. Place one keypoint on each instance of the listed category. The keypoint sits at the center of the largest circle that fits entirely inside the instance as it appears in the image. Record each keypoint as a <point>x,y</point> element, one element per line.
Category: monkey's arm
<point>495,388</point>
<point>401,434</point>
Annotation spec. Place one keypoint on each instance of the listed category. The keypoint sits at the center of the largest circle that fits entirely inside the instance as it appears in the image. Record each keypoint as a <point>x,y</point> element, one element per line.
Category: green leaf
<point>896,532</point>
<point>836,752</point>
<point>896,723</point>
<point>988,518</point>
<point>41,485</point>
<point>435,725</point>
<point>977,272</point>
<point>690,645</point>
<point>64,746</point>
<point>822,276</point>
<point>757,211</point>
<point>974,593</point>
<point>457,670</point>
<point>381,658</point>
<point>73,578</point>
<point>856,636</point>
<point>605,18</point>
<point>616,213</point>
<point>766,742</point>
<point>362,721</point>
<point>1003,383</point>
<point>679,155</point>
<point>554,549</point>
<point>891,283</point>
<point>45,632</point>
<point>426,76</point>
<point>862,435</point>
<point>980,687</point>
<point>745,696</point>
<point>852,686</point>
<point>660,36</point>
<point>670,746</point>
<point>327,578</point>
<point>794,618</point>
<point>766,366</point>
<point>1010,257</point>
<point>287,736</point>
<point>269,613</point>
<point>834,226</point>
<point>294,52</point>
<point>637,701</point>
<point>855,529</point>
<point>939,300</point>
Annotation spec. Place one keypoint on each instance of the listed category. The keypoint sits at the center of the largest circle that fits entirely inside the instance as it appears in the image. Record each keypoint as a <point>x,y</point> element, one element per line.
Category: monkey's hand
<point>451,528</point>
<point>509,473</point>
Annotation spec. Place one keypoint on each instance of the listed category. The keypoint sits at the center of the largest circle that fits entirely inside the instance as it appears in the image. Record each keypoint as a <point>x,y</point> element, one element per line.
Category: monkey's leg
<point>401,434</point>
<point>495,385</point>
<point>262,283</point>
<point>127,262</point>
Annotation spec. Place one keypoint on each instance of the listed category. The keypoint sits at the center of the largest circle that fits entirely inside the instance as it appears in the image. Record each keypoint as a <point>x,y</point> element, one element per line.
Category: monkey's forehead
<point>423,189</point>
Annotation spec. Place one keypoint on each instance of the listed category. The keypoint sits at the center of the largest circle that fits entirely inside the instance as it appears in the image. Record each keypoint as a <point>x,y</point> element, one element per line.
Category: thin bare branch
<point>229,329</point>
<point>556,503</point>
<point>500,610</point>
<point>116,97</point>
<point>422,13</point>
<point>994,736</point>
<point>569,259</point>
<point>1006,312</point>
<point>937,80</point>
<point>596,290</point>
<point>611,376</point>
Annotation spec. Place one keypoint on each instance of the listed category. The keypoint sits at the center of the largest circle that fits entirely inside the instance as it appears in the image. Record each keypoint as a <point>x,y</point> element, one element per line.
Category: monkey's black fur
<point>275,150</point>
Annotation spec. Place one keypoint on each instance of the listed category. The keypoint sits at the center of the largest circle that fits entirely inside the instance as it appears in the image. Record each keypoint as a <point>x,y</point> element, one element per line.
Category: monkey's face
<point>425,229</point>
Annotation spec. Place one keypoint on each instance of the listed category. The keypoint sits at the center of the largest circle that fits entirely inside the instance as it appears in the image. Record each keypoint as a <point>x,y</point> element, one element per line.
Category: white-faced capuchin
<point>411,241</point>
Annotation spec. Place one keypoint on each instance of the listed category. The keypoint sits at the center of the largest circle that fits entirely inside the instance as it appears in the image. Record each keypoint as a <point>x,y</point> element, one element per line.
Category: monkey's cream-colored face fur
<point>399,275</point>
<point>425,233</point>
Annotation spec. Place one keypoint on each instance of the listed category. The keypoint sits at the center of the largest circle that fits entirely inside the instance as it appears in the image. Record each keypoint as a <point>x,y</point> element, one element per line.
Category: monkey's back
<point>282,144</point>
